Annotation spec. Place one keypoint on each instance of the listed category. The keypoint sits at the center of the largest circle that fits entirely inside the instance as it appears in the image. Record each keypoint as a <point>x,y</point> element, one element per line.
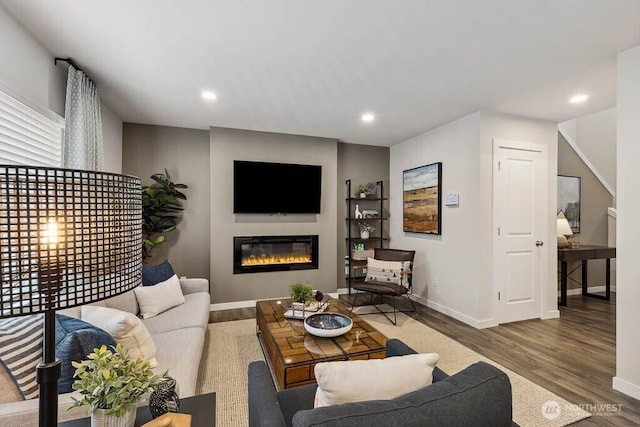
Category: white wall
<point>27,70</point>
<point>28,73</point>
<point>455,257</point>
<point>227,145</point>
<point>502,126</point>
<point>461,259</point>
<point>627,379</point>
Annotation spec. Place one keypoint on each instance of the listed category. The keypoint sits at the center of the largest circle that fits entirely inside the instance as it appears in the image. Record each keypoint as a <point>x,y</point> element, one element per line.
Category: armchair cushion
<point>388,272</point>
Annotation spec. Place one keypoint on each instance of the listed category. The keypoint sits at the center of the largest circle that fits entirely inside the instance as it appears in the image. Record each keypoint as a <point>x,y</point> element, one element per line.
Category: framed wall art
<point>422,199</point>
<point>569,200</point>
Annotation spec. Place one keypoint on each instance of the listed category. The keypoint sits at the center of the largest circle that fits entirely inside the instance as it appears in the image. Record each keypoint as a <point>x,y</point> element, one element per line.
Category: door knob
<point>539,243</point>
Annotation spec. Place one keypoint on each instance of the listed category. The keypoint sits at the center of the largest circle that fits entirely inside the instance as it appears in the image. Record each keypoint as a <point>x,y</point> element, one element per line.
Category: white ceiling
<point>312,67</point>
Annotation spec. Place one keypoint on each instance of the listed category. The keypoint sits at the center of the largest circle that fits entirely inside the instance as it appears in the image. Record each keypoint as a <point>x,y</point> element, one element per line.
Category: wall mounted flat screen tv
<point>268,188</point>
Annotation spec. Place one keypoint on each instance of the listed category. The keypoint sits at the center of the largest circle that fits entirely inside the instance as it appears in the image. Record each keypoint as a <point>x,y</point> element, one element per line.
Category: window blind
<point>28,137</point>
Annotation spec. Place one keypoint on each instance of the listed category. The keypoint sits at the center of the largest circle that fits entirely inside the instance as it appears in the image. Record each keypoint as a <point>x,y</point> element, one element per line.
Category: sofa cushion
<point>193,313</point>
<point>153,300</point>
<point>123,302</point>
<point>21,351</point>
<point>154,274</point>
<point>361,380</point>
<point>180,354</point>
<point>125,328</point>
<point>74,340</point>
<point>479,395</point>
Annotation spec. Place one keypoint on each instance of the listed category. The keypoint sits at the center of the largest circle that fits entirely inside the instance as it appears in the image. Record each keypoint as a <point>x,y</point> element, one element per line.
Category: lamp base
<point>48,375</point>
<point>563,242</point>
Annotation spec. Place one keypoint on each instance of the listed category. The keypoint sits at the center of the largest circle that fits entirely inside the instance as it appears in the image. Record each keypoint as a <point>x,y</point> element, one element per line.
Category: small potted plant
<point>300,293</point>
<point>111,383</point>
<point>365,229</point>
<point>363,191</point>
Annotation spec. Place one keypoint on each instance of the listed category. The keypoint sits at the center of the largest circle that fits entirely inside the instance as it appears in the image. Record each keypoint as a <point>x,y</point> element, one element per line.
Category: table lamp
<point>564,230</point>
<point>67,238</point>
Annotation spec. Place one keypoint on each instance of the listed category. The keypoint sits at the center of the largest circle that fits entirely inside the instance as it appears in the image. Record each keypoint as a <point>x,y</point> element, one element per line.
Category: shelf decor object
<point>67,238</point>
<point>328,325</point>
<point>422,199</point>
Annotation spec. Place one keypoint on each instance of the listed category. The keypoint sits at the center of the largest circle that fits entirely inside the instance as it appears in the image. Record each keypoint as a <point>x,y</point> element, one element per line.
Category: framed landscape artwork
<point>569,200</point>
<point>422,199</point>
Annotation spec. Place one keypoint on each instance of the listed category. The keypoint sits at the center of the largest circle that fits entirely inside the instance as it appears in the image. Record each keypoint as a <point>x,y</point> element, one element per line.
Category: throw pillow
<point>153,300</point>
<point>152,275</point>
<point>375,379</point>
<point>395,272</point>
<point>21,348</point>
<point>21,351</point>
<point>125,328</point>
<point>75,339</point>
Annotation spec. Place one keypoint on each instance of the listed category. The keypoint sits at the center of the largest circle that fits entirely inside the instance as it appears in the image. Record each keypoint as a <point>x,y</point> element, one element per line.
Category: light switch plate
<point>452,199</point>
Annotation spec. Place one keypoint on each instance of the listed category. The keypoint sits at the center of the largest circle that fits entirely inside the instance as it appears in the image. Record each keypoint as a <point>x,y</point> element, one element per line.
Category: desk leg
<point>608,282</point>
<point>585,282</point>
<point>563,283</point>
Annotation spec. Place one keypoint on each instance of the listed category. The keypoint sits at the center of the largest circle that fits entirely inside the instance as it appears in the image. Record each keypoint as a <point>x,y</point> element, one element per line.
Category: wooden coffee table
<point>291,353</point>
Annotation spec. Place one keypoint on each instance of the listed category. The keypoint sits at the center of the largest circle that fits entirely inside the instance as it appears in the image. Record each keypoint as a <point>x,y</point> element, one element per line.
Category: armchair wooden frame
<point>388,289</point>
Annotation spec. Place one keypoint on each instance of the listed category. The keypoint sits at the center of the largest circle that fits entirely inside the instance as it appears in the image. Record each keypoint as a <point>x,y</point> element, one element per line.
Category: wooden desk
<point>584,253</point>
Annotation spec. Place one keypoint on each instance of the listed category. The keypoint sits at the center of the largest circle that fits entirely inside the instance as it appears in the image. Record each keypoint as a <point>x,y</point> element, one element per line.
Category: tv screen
<point>260,187</point>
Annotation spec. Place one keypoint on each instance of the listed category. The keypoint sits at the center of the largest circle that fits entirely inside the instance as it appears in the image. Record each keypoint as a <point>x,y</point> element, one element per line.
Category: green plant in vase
<point>111,383</point>
<point>365,229</point>
<point>301,293</point>
<point>161,210</point>
<point>362,191</point>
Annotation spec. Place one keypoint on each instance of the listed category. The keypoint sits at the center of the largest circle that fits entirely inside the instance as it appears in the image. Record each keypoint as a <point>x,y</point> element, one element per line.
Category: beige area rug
<point>230,346</point>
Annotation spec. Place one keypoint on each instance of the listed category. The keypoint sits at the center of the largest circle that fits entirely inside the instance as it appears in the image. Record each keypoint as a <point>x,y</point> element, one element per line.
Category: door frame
<point>548,244</point>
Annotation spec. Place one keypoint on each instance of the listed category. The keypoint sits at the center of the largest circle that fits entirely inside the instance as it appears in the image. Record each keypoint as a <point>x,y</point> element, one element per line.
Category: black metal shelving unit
<point>355,266</point>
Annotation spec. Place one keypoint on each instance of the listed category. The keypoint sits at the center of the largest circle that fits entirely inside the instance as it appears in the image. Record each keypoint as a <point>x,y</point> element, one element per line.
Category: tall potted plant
<point>161,210</point>
<point>111,383</point>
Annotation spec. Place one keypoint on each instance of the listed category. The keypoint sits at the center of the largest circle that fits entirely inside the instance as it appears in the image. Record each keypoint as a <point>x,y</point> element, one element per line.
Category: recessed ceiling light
<point>368,117</point>
<point>576,99</point>
<point>209,96</point>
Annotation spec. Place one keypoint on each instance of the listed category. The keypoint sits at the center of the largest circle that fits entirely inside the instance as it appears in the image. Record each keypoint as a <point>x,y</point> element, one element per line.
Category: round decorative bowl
<point>327,324</point>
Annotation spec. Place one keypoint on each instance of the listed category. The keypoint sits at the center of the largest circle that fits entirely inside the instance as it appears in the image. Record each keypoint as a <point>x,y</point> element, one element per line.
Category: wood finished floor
<point>573,356</point>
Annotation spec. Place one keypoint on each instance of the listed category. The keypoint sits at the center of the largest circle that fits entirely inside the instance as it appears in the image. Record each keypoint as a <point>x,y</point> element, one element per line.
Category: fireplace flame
<point>283,259</point>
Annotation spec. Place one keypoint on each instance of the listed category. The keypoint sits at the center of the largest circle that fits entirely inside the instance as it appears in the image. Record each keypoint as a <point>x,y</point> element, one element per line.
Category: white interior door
<point>519,206</point>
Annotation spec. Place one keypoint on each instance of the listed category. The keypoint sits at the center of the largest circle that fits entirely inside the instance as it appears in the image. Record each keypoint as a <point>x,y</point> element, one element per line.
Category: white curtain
<point>82,148</point>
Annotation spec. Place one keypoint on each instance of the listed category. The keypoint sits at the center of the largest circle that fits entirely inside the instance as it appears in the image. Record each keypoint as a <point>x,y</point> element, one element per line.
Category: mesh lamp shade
<point>67,237</point>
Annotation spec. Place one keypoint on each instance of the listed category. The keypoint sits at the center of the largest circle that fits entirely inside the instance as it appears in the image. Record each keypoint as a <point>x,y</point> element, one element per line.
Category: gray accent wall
<point>227,145</point>
<point>361,164</point>
<point>148,149</point>
<point>594,201</point>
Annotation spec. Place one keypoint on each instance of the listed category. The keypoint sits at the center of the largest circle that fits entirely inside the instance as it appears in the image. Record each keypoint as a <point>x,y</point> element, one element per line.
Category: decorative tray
<point>301,314</point>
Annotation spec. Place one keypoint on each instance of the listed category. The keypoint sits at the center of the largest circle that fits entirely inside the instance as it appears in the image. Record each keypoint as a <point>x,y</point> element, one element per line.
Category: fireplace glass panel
<point>275,253</point>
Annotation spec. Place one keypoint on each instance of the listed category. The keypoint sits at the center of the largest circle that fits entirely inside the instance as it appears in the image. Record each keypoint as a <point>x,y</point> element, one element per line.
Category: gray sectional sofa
<point>479,395</point>
<point>178,334</point>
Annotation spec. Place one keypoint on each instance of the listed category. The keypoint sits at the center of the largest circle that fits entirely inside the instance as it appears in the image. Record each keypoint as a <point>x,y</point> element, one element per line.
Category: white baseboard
<point>592,289</point>
<point>252,303</point>
<point>551,314</point>
<point>626,387</point>
<point>478,324</point>
<point>232,305</point>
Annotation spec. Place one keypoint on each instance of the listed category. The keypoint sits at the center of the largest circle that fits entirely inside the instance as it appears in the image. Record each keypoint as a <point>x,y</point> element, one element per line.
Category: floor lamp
<point>67,238</point>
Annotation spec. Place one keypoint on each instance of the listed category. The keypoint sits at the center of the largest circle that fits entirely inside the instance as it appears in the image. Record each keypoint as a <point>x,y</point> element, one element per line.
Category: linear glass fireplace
<point>257,254</point>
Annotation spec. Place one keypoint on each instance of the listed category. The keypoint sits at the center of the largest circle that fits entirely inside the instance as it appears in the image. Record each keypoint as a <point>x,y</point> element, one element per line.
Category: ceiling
<point>314,67</point>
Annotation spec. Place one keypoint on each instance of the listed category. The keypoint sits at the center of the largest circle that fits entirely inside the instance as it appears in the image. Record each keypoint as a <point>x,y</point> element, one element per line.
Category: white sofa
<point>178,334</point>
